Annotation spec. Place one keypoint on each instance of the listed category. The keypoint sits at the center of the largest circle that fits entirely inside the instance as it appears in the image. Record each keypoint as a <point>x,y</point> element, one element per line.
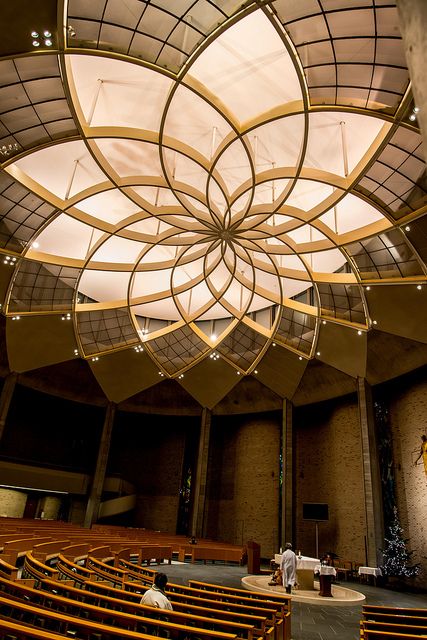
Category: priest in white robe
<point>288,565</point>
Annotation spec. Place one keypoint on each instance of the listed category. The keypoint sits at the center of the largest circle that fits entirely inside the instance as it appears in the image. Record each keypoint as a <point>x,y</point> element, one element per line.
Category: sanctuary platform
<point>341,596</point>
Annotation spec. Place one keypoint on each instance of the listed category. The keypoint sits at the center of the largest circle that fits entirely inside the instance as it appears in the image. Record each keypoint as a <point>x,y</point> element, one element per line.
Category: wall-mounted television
<point>317,511</point>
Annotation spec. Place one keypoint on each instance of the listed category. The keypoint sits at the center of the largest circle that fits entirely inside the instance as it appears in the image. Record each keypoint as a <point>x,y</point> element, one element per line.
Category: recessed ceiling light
<point>368,288</point>
<point>407,228</point>
<point>47,34</point>
<point>323,321</point>
<point>412,117</point>
<point>374,322</point>
<point>359,333</point>
<point>419,287</point>
<point>300,358</point>
<point>34,34</point>
<point>36,43</point>
<point>416,109</point>
<point>48,42</point>
<point>213,337</point>
<point>35,245</point>
<point>318,353</point>
<point>274,344</point>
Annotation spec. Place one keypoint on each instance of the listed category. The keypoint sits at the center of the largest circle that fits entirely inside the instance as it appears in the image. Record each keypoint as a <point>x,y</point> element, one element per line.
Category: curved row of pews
<point>64,581</point>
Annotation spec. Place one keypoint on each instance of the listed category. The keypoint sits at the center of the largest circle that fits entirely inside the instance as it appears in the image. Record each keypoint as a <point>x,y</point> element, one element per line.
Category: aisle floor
<point>309,622</point>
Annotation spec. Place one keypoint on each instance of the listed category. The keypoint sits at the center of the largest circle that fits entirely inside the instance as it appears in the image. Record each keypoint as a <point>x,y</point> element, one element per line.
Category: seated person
<point>276,578</point>
<point>155,596</point>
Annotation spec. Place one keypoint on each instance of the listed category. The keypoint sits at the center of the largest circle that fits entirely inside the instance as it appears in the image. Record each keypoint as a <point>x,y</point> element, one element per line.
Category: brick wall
<point>12,503</point>
<point>243,480</point>
<point>328,469</point>
<point>408,421</point>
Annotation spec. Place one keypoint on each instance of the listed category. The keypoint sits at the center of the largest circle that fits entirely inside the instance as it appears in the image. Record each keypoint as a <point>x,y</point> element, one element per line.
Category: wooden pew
<point>377,634</point>
<point>372,609</point>
<point>21,631</point>
<point>102,609</point>
<point>275,609</point>
<point>392,627</point>
<point>35,569</point>
<point>276,598</point>
<point>271,597</point>
<point>398,618</point>
<point>60,622</point>
<point>112,598</point>
<point>211,552</point>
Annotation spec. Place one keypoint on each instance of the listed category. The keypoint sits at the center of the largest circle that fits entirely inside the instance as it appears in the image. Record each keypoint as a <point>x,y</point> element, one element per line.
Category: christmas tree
<point>396,557</point>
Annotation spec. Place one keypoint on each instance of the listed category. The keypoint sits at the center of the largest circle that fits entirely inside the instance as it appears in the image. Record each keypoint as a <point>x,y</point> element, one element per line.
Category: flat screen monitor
<point>317,511</point>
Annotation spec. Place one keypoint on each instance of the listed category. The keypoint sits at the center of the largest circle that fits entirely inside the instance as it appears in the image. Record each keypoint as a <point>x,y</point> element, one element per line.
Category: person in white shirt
<point>155,596</point>
<point>288,565</point>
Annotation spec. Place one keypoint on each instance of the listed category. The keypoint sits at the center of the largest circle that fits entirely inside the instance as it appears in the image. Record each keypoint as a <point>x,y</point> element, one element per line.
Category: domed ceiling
<point>204,190</point>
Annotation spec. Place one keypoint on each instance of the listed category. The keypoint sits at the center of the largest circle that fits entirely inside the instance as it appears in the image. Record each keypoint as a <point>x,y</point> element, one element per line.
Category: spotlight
<point>48,42</point>
<point>36,43</point>
<point>416,109</point>
<point>47,34</point>
<point>8,149</point>
<point>70,31</point>
<point>412,117</point>
<point>34,34</point>
<point>407,228</point>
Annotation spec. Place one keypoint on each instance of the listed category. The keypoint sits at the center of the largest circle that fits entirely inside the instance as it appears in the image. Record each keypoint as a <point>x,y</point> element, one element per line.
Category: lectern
<point>254,550</point>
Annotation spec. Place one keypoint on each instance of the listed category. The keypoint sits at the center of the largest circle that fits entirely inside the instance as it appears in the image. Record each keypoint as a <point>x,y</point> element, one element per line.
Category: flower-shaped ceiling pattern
<point>214,208</point>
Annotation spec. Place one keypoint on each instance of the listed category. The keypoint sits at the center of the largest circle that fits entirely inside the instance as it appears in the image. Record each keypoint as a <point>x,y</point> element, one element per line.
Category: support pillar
<point>6,398</point>
<point>371,476</point>
<point>94,500</point>
<point>412,21</point>
<point>199,504</point>
<point>287,524</point>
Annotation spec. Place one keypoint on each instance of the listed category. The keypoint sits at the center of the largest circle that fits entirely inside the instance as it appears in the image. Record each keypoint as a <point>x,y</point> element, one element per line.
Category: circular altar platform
<point>342,597</point>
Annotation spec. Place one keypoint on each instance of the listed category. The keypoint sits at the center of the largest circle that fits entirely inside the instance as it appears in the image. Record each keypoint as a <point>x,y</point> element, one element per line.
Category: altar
<point>305,570</point>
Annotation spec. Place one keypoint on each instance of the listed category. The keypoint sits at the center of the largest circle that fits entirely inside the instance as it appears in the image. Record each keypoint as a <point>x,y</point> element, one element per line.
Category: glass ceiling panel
<point>142,28</point>
<point>297,330</point>
<point>130,157</point>
<point>397,180</point>
<point>242,347</point>
<point>386,256</point>
<point>42,287</point>
<point>64,169</point>
<point>104,286</point>
<point>21,214</point>
<point>352,53</point>
<point>101,331</point>
<point>109,206</point>
<point>194,121</point>
<point>32,95</point>
<point>177,349</point>
<point>342,301</point>
<point>160,175</point>
<point>112,92</point>
<point>67,237</point>
<point>247,60</point>
<point>338,141</point>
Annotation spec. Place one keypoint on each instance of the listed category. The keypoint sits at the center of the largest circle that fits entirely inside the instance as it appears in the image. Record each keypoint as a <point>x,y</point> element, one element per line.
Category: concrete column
<point>94,500</point>
<point>287,524</point>
<point>199,502</point>
<point>413,27</point>
<point>371,476</point>
<point>6,398</point>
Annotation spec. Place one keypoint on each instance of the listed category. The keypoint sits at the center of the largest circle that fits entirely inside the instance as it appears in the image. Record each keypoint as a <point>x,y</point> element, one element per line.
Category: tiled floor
<point>309,622</point>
